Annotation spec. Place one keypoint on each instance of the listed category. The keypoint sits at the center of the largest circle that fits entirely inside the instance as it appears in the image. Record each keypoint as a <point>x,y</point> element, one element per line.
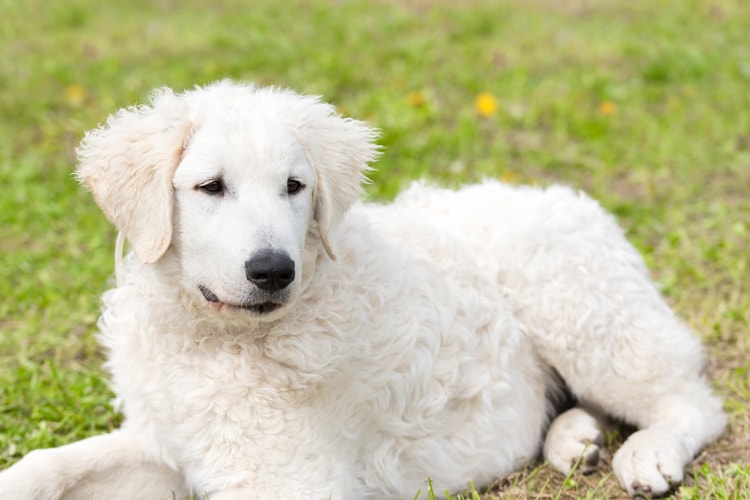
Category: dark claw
<point>591,461</point>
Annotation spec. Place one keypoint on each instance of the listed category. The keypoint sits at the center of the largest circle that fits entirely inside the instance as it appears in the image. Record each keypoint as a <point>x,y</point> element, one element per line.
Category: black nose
<point>270,270</point>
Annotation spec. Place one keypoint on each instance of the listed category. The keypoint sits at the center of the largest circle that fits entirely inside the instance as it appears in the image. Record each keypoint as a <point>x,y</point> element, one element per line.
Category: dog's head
<point>239,184</point>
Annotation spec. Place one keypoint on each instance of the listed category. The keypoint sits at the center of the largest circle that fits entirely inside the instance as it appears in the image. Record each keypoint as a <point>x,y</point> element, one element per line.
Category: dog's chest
<point>225,406</point>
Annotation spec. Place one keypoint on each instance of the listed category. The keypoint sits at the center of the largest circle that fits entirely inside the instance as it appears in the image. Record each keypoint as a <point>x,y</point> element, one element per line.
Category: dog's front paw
<point>650,463</point>
<point>574,440</point>
<point>33,477</point>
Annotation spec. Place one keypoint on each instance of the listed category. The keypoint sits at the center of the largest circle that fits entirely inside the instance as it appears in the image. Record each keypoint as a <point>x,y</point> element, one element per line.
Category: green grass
<point>643,104</point>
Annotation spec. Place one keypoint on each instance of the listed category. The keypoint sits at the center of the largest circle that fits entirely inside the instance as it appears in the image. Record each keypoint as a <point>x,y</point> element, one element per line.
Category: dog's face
<point>240,186</point>
<point>243,207</point>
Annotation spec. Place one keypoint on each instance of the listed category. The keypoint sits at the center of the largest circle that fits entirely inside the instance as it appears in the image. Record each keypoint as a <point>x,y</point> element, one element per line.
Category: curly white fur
<point>419,339</point>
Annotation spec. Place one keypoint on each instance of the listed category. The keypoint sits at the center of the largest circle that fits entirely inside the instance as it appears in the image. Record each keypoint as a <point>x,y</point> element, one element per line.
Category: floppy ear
<point>339,150</point>
<point>322,212</point>
<point>128,165</point>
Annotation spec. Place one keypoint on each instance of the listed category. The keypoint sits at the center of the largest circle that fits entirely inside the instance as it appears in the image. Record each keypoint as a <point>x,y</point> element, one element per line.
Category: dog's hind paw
<point>650,463</point>
<point>574,440</point>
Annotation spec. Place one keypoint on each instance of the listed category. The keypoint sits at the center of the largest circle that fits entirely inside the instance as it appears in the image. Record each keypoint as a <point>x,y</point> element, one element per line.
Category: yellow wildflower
<point>416,99</point>
<point>75,94</point>
<point>607,108</point>
<point>486,104</point>
<point>508,176</point>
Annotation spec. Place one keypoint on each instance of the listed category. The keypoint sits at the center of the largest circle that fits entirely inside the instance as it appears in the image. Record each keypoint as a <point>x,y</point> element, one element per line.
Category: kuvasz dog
<point>272,337</point>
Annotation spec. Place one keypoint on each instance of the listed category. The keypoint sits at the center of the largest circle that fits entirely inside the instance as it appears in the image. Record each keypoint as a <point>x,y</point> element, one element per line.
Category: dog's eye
<point>212,187</point>
<point>293,186</point>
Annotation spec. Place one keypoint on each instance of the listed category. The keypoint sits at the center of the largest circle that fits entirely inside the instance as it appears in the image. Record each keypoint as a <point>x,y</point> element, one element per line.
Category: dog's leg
<point>676,426</point>
<point>632,359</point>
<point>593,314</point>
<point>284,490</point>
<point>643,367</point>
<point>109,466</point>
<point>574,438</point>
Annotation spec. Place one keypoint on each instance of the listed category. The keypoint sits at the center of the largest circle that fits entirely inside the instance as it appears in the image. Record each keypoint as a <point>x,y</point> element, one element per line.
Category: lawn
<point>645,105</point>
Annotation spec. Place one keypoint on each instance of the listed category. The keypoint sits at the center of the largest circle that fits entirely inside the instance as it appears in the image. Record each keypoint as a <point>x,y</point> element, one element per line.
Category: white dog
<point>271,338</point>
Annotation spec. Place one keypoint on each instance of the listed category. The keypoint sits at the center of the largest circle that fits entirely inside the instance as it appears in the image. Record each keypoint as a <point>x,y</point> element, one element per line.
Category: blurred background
<point>644,105</point>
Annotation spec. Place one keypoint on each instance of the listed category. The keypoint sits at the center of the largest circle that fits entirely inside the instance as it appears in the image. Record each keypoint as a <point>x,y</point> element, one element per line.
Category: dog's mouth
<point>257,308</point>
